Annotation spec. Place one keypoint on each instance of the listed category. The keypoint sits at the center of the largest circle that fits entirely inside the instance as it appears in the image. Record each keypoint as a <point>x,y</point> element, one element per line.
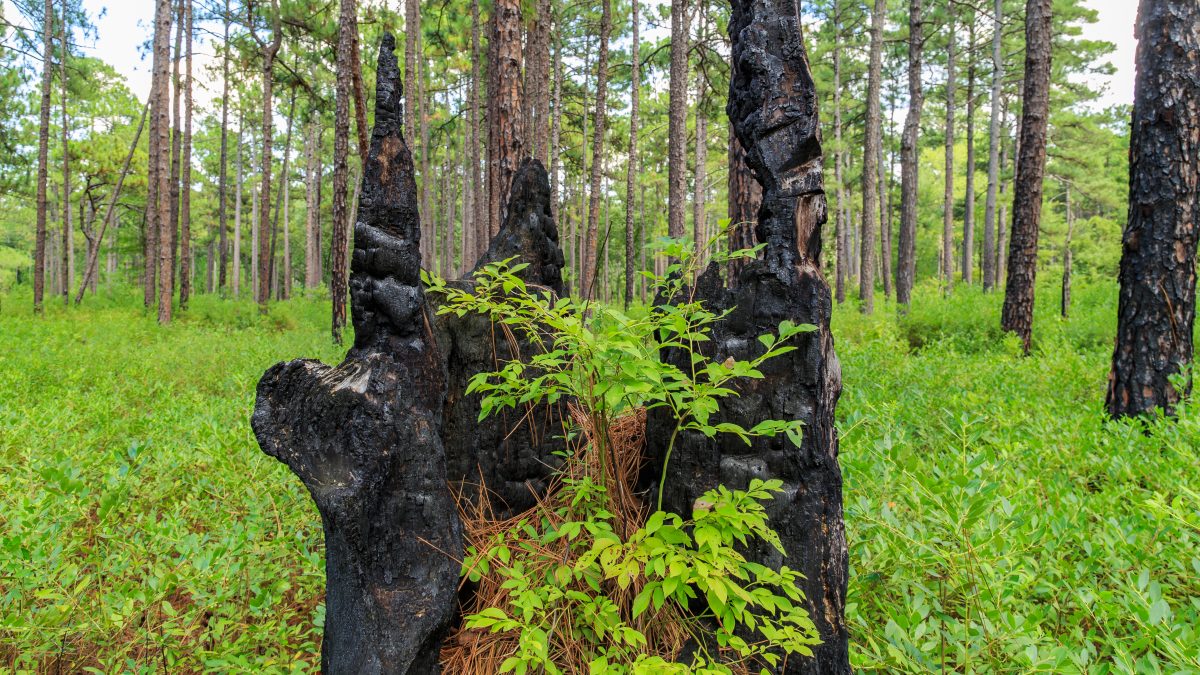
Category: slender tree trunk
<point>312,210</point>
<point>948,195</point>
<point>885,231</point>
<point>185,200</point>
<point>1066,276</point>
<point>1157,310</point>
<point>631,167</point>
<point>479,188</point>
<point>237,215</point>
<point>467,254</point>
<point>839,187</point>
<point>1002,223</point>
<point>281,195</point>
<point>285,185</point>
<point>700,182</point>
<point>677,121</point>
<point>745,198</point>
<point>43,168</point>
<point>579,222</point>
<point>68,236</point>
<point>906,264</point>
<point>989,216</point>
<point>505,136</point>
<point>269,50</point>
<point>556,129</point>
<point>968,250</point>
<point>256,249</point>
<point>412,26</point>
<point>449,169</point>
<point>223,171</point>
<point>866,287</point>
<point>590,269</point>
<point>427,178</point>
<point>341,170</point>
<point>537,82</point>
<point>161,158</point>
<point>176,135</point>
<point>1017,315</point>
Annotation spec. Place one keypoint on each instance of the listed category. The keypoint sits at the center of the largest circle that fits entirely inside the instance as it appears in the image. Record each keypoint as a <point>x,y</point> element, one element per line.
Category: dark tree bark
<point>989,217</point>
<point>745,198</point>
<point>773,107</point>
<point>1157,311</point>
<point>631,168</point>
<point>412,25</point>
<point>590,270</point>
<point>906,260</point>
<point>341,169</point>
<point>392,533</point>
<point>1017,315</point>
<point>1065,304</point>
<point>176,134</point>
<point>700,180</point>
<point>223,171</point>
<point>312,210</point>
<point>479,220</point>
<point>870,174</point>
<point>556,128</point>
<point>185,187</point>
<point>268,50</point>
<point>948,175</point>
<point>839,185</point>
<point>968,246</point>
<point>68,233</point>
<point>677,121</point>
<point>43,167</point>
<point>161,158</point>
<point>505,136</point>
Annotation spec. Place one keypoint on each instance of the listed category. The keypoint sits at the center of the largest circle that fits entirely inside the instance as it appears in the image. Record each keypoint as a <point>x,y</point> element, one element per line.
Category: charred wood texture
<point>773,108</point>
<point>509,457</point>
<point>1157,309</point>
<point>363,436</point>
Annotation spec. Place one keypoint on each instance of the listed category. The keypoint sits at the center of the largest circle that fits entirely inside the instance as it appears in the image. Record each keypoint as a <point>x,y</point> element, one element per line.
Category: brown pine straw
<point>480,652</point>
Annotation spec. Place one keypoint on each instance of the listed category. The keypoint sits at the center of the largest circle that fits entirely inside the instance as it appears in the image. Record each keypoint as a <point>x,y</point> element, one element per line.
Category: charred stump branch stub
<point>509,457</point>
<point>364,436</point>
<point>773,108</point>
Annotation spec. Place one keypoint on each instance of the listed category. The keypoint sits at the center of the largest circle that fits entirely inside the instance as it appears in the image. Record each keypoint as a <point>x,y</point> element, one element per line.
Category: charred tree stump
<point>509,457</point>
<point>773,108</point>
<point>363,436</point>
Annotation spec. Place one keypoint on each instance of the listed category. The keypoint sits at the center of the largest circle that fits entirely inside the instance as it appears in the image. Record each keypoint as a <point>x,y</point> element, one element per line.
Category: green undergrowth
<point>996,521</point>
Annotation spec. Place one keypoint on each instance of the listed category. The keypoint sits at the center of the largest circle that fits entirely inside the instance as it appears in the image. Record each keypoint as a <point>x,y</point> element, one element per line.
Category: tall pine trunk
<point>479,189</point>
<point>312,211</point>
<point>1017,315</point>
<point>43,167</point>
<point>989,216</point>
<point>68,235</point>
<point>237,214</point>
<point>176,133</point>
<point>631,167</point>
<point>948,194</point>
<point>223,170</point>
<point>906,263</point>
<point>505,136</point>
<point>161,158</point>
<point>185,199</point>
<point>1157,309</point>
<point>870,176</point>
<point>677,121</point>
<point>968,247</point>
<point>347,20</point>
<point>839,187</point>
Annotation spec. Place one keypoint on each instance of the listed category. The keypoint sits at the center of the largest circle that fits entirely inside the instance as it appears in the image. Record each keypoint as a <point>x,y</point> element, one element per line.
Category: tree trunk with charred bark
<point>745,198</point>
<point>1157,310</point>
<point>677,121</point>
<point>906,263</point>
<point>341,169</point>
<point>870,174</point>
<point>505,136</point>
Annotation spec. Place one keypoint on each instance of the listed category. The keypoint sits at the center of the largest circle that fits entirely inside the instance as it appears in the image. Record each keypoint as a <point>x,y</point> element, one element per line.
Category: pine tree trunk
<point>185,200</point>
<point>427,179</point>
<point>479,188</point>
<point>556,129</point>
<point>1157,310</point>
<point>255,247</point>
<point>631,167</point>
<point>677,121</point>
<point>885,231</point>
<point>43,168</point>
<point>68,236</point>
<point>281,196</point>
<point>223,171</point>
<point>176,135</point>
<point>237,215</point>
<point>906,264</point>
<point>265,249</point>
<point>948,195</point>
<point>162,157</point>
<point>989,217</point>
<point>505,136</point>
<point>968,247</point>
<point>341,170</point>
<point>1003,226</point>
<point>1065,303</point>
<point>870,175</point>
<point>312,211</point>
<point>412,26</point>
<point>839,187</point>
<point>700,181</point>
<point>466,256</point>
<point>745,198</point>
<point>1017,315</point>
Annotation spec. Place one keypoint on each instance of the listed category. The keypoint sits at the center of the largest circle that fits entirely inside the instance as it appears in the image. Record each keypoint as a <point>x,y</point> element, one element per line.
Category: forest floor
<point>996,521</point>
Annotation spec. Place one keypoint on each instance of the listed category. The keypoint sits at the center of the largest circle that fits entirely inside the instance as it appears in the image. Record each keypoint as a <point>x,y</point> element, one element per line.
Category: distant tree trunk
<point>285,185</point>
<point>1017,315</point>
<point>1002,222</point>
<point>1157,310</point>
<point>885,231</point>
<point>412,26</point>
<point>68,240</point>
<point>505,136</point>
<point>341,170</point>
<point>162,156</point>
<point>556,129</point>
<point>866,287</point>
<point>312,210</point>
<point>700,182</point>
<point>579,222</point>
<point>43,168</point>
<point>590,269</point>
<point>677,121</point>
<point>223,171</point>
<point>948,195</point>
<point>281,196</point>
<point>185,200</point>
<point>237,215</point>
<point>1066,276</point>
<point>910,171</point>
<point>427,178</point>
<point>256,252</point>
<point>968,249</point>
<point>631,167</point>
<point>537,82</point>
<point>269,50</point>
<point>479,186</point>
<point>176,134</point>
<point>989,217</point>
<point>467,251</point>
<point>449,170</point>
<point>839,187</point>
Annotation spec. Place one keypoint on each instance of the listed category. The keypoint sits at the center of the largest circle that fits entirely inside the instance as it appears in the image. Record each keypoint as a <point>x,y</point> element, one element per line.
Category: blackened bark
<point>1017,315</point>
<point>364,436</point>
<point>773,107</point>
<point>906,260</point>
<point>745,198</point>
<point>1157,310</point>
